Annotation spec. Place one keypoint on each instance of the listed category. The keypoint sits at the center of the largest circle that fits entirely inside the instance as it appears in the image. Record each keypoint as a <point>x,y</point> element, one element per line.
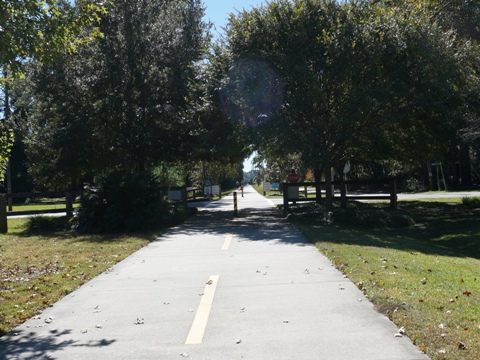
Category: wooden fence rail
<point>68,209</point>
<point>390,185</point>
<point>181,195</point>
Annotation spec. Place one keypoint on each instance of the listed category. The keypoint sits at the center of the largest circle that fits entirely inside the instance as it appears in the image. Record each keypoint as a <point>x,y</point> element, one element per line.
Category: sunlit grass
<point>42,204</point>
<point>425,277</point>
<point>38,270</point>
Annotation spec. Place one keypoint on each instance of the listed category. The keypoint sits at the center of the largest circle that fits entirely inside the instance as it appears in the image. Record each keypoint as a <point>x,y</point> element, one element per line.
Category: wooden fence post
<point>343,193</point>
<point>393,194</point>
<point>184,197</point>
<point>69,204</point>
<point>3,215</point>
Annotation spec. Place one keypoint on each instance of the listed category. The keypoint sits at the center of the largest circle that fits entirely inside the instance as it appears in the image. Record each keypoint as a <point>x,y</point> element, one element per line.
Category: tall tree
<point>56,123</point>
<point>353,76</point>
<point>41,30</point>
<point>122,102</point>
<point>141,71</point>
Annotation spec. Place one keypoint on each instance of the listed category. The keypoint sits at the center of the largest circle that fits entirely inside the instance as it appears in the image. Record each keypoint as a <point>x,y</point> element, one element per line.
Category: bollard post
<point>242,190</point>
<point>235,208</point>
<point>285,197</point>
<point>3,215</point>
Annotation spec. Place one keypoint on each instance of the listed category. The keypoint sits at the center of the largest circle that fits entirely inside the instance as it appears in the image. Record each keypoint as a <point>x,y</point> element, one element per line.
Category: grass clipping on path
<point>37,270</point>
<point>424,276</point>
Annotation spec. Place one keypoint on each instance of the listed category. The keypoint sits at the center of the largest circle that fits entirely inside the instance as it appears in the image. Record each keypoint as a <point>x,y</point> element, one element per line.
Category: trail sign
<point>267,186</point>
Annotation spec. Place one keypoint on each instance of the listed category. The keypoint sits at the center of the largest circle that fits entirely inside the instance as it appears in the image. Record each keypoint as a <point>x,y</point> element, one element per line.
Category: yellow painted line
<point>195,336</point>
<point>227,242</point>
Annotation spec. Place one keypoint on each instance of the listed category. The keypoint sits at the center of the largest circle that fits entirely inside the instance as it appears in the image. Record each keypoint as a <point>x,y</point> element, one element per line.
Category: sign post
<point>207,190</point>
<point>266,187</point>
<point>216,190</point>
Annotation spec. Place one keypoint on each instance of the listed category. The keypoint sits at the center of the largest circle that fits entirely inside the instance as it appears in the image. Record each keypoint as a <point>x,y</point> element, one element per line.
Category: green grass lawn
<point>42,204</point>
<point>424,277</point>
<point>38,269</point>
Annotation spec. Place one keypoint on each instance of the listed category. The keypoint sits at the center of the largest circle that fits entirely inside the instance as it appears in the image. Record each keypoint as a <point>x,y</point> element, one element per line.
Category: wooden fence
<point>6,198</point>
<point>384,190</point>
<point>180,195</point>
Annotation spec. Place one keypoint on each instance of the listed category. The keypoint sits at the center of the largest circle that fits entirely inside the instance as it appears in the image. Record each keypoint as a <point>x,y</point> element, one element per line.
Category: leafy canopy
<point>351,80</point>
<point>43,29</point>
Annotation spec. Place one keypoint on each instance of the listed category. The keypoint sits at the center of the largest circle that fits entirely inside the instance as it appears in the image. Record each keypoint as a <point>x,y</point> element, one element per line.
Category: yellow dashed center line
<point>195,336</point>
<point>227,242</point>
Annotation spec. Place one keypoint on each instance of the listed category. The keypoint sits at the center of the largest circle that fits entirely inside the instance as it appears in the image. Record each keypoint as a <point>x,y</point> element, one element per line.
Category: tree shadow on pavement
<point>28,346</point>
<point>251,224</point>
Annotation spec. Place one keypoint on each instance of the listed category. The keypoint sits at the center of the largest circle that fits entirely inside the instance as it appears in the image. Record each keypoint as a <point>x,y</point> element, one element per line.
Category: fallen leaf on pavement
<point>139,321</point>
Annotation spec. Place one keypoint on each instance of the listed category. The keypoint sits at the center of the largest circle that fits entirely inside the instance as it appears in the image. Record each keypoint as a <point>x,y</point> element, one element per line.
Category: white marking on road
<point>195,336</point>
<point>228,241</point>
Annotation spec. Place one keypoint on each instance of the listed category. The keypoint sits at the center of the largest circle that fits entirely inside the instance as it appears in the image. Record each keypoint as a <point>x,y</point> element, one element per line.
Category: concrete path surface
<point>216,287</point>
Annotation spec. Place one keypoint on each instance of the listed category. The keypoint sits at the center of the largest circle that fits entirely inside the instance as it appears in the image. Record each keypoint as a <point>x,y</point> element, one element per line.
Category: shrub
<point>357,214</point>
<point>415,185</point>
<point>41,224</point>
<point>119,202</point>
<point>372,218</point>
<point>471,202</point>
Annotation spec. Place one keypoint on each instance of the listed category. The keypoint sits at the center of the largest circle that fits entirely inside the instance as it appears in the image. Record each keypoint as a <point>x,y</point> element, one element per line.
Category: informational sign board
<point>293,192</point>
<point>175,195</point>
<point>216,190</point>
<point>267,186</point>
<point>207,190</point>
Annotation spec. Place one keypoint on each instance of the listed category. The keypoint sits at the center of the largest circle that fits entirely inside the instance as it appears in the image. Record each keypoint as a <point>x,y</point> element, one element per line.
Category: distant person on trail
<point>293,177</point>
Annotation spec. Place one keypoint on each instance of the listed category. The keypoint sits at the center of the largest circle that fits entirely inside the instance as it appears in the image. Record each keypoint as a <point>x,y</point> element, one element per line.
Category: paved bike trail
<point>217,287</point>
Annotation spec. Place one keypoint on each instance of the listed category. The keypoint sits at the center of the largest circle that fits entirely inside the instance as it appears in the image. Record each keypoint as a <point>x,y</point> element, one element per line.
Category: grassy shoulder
<point>419,265</point>
<point>38,268</point>
<point>42,204</point>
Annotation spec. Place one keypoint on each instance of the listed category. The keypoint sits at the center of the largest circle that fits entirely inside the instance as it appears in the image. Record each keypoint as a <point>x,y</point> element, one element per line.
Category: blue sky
<point>218,12</point>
